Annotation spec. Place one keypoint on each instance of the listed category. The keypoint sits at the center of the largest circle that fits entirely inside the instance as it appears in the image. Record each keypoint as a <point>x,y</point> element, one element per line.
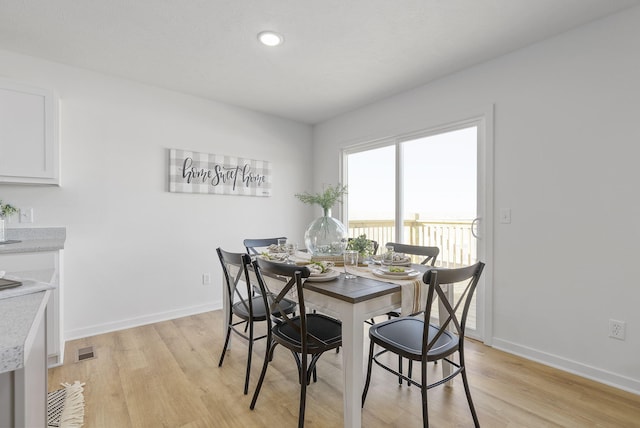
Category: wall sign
<point>193,172</point>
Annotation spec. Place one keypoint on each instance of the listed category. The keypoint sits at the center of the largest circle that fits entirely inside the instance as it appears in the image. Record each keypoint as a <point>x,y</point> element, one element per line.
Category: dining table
<point>353,301</point>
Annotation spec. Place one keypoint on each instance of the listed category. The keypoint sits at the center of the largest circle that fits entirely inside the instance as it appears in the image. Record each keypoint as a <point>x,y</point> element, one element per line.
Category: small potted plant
<point>6,210</point>
<point>362,245</point>
<point>325,236</point>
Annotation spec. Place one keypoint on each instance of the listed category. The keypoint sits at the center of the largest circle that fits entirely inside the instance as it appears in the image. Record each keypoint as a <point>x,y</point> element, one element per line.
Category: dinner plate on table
<point>401,262</point>
<point>396,275</point>
<point>323,277</point>
<point>387,270</point>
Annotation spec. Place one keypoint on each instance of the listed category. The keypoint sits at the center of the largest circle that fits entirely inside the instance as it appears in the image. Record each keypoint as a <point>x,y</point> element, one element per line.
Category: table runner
<point>412,290</point>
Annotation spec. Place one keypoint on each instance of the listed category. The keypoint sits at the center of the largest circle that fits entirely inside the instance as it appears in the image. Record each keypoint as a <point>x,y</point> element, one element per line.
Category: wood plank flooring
<point>167,375</point>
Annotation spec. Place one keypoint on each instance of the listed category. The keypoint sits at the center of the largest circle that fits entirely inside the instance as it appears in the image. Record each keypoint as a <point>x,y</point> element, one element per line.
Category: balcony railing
<point>453,237</point>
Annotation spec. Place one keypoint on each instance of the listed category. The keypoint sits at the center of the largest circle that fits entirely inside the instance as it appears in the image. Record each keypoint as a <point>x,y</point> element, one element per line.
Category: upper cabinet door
<point>29,148</point>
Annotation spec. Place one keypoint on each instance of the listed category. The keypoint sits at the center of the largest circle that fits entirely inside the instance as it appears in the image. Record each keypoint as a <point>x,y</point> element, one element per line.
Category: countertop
<point>17,316</point>
<point>34,240</point>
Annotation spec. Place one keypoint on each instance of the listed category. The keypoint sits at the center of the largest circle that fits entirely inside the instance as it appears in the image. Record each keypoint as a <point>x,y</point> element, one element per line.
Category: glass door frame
<point>485,188</point>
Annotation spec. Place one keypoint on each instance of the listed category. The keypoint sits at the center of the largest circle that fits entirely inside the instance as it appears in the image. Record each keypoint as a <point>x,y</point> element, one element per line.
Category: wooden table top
<point>358,289</point>
<point>354,290</point>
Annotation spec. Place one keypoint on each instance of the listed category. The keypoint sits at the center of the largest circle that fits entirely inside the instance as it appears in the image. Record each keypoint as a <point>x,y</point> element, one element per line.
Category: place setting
<point>283,251</point>
<point>391,258</point>
<point>322,271</point>
<point>395,272</point>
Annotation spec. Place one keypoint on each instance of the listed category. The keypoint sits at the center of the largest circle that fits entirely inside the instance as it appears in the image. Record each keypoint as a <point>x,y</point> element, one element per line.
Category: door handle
<point>474,227</point>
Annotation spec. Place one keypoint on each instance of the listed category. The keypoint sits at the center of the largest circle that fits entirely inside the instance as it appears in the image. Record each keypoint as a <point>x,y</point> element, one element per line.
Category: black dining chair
<point>253,246</point>
<point>246,310</point>
<point>430,254</point>
<point>416,338</point>
<point>309,334</point>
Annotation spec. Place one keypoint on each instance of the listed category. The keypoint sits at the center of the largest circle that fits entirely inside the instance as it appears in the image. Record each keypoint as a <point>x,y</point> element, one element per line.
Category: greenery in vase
<point>326,199</point>
<point>362,245</point>
<point>6,210</point>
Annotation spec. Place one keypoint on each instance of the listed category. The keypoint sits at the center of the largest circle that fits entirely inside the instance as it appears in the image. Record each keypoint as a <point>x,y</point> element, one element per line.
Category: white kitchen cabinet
<point>39,256</point>
<point>23,361</point>
<point>29,147</point>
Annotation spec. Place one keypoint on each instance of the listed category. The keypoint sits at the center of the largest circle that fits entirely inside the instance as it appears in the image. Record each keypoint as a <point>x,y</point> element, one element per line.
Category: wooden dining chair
<point>415,338</point>
<point>246,310</point>
<point>309,334</point>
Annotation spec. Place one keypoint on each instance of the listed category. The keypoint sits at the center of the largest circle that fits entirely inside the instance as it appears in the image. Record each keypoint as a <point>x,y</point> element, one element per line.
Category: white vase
<point>326,236</point>
<point>3,233</point>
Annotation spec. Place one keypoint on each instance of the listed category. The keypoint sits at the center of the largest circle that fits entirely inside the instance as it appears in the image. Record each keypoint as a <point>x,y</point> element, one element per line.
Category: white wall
<point>135,253</point>
<point>566,147</point>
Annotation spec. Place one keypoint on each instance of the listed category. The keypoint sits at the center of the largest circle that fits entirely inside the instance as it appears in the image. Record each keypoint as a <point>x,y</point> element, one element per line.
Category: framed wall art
<point>193,172</point>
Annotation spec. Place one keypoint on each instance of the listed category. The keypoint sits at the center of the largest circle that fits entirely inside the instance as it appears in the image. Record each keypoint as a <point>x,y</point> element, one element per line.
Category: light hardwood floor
<point>167,375</point>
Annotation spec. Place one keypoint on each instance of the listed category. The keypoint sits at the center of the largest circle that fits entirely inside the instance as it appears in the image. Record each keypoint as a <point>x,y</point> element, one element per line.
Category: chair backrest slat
<point>295,275</point>
<point>241,261</point>
<point>253,245</point>
<point>435,279</point>
<point>430,254</point>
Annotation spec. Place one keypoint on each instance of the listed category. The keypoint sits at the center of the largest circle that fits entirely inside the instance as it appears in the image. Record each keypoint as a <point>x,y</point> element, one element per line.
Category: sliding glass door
<point>421,189</point>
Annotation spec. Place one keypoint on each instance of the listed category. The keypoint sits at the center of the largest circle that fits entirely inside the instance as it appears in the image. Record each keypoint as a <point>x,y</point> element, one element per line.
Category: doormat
<point>65,406</point>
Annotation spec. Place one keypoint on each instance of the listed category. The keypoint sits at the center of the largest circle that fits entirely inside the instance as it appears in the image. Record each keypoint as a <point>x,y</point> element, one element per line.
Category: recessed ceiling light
<point>270,38</point>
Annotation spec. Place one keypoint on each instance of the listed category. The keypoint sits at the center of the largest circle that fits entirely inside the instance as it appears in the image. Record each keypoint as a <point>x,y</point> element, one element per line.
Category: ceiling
<point>338,55</point>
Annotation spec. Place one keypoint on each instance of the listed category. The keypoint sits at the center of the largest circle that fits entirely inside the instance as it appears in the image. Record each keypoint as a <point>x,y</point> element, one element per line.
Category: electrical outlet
<point>617,329</point>
<point>206,278</point>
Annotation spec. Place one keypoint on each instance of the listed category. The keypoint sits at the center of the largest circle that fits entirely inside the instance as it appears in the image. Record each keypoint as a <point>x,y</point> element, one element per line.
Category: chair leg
<point>476,423</point>
<point>399,369</point>
<point>224,348</point>
<point>368,379</point>
<point>312,368</point>
<point>425,408</point>
<point>299,364</point>
<point>303,391</point>
<point>423,391</point>
<point>249,354</point>
<point>269,351</point>
<point>410,372</point>
<point>466,388</point>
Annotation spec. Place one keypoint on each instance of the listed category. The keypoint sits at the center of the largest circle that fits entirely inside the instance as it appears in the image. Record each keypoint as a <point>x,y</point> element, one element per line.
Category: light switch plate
<point>26,215</point>
<point>505,215</point>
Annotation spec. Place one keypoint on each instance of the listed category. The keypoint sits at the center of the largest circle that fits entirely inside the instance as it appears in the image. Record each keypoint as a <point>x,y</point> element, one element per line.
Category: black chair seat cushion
<point>403,336</point>
<point>325,328</point>
<point>259,311</point>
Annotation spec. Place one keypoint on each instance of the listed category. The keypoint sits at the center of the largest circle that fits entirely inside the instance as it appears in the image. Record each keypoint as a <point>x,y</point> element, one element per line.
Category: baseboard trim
<point>96,329</point>
<point>603,376</point>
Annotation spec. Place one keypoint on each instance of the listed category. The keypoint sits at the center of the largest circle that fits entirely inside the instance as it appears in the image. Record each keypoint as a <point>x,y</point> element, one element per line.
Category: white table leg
<point>352,347</point>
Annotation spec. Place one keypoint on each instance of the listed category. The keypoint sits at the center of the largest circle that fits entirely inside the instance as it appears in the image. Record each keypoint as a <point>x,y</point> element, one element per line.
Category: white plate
<point>403,262</point>
<point>386,271</point>
<point>327,276</point>
<point>382,274</point>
